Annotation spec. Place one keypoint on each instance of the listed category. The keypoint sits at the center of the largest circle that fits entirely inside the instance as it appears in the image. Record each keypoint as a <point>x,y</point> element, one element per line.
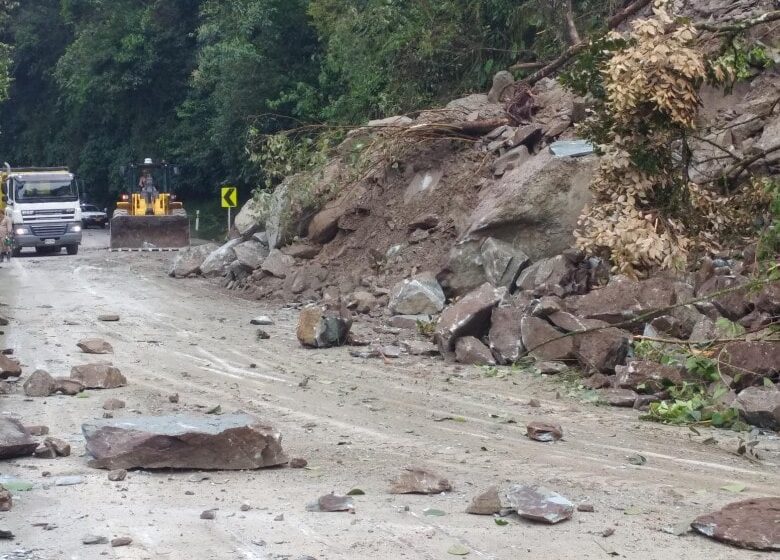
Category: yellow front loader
<point>149,217</point>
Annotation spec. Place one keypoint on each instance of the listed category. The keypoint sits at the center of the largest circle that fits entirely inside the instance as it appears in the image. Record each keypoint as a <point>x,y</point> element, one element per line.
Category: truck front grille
<point>51,230</point>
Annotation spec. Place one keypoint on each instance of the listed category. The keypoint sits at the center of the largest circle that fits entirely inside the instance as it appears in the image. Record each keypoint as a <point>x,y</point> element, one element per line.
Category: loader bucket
<point>139,232</point>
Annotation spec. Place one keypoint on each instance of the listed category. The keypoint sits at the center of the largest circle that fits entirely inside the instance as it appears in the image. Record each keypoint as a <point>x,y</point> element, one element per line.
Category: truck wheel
<point>17,252</point>
<point>72,249</point>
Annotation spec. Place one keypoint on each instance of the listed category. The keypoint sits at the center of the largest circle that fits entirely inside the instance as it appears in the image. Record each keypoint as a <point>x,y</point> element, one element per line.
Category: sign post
<point>229,200</point>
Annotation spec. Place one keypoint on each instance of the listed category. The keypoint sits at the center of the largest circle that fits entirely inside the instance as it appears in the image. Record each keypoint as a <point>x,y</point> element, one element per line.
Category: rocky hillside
<point>459,223</point>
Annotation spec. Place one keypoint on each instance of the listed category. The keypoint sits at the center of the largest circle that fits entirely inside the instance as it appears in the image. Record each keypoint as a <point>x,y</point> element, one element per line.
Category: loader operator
<point>147,188</point>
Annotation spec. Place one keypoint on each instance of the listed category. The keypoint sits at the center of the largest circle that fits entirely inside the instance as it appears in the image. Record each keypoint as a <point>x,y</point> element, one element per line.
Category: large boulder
<point>471,351</point>
<point>647,377</point>
<point>506,340</point>
<point>15,440</point>
<point>760,406</point>
<point>98,376</point>
<point>748,363</point>
<point>251,218</point>
<point>188,261</point>
<point>277,264</point>
<point>464,270</point>
<point>602,350</point>
<point>750,524</point>
<point>502,262</point>
<point>501,82</point>
<point>470,316</point>
<point>624,299</point>
<point>95,346</point>
<point>420,295</point>
<point>279,223</point>
<point>218,262</point>
<point>545,342</point>
<point>548,275</point>
<point>227,442</point>
<point>251,254</point>
<point>734,304</point>
<point>536,206</point>
<point>323,327</point>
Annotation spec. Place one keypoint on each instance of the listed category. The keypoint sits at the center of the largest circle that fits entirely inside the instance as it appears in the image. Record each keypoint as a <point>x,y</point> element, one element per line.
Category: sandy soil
<point>357,422</point>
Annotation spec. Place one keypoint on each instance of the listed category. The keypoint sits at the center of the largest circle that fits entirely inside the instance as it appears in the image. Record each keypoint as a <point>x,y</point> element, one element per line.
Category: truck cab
<point>43,204</point>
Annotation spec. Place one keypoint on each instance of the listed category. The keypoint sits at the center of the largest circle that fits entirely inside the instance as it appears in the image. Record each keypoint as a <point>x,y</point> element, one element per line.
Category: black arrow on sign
<point>230,196</point>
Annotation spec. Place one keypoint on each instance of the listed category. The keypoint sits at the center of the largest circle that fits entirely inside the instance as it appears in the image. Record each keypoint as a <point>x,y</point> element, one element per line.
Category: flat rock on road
<point>357,422</point>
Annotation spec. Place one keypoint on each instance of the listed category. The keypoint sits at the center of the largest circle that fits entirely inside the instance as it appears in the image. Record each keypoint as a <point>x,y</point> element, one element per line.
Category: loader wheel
<point>178,212</point>
<point>72,249</point>
<point>119,212</point>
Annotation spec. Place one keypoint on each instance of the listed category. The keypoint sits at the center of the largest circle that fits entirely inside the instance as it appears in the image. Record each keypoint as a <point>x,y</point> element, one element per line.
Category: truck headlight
<point>74,228</point>
<point>22,231</point>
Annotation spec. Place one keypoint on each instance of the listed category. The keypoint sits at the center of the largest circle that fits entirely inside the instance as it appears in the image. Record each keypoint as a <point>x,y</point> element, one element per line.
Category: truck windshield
<point>46,191</point>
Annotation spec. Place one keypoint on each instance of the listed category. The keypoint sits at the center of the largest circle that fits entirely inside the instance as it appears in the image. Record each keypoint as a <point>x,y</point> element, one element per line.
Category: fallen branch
<point>626,13</point>
<point>739,25</point>
<point>474,129</point>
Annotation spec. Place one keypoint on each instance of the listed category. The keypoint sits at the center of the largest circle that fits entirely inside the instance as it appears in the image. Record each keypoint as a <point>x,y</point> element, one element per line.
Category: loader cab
<point>163,173</point>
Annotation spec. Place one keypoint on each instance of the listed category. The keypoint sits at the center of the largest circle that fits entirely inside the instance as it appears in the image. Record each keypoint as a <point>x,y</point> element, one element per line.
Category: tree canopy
<point>94,84</point>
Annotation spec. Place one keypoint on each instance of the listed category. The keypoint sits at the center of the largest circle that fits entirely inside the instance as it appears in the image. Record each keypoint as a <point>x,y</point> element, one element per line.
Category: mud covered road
<point>357,422</point>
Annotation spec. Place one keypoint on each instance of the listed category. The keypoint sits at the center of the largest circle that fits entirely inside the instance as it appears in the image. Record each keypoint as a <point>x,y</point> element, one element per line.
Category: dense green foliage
<point>97,83</point>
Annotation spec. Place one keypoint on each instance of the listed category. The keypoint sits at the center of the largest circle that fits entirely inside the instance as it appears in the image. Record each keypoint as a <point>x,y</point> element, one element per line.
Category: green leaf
<point>768,383</point>
<point>356,492</point>
<point>734,488</point>
<point>634,511</point>
<point>16,485</point>
<point>434,512</point>
<point>637,459</point>
<point>501,522</point>
<point>458,550</point>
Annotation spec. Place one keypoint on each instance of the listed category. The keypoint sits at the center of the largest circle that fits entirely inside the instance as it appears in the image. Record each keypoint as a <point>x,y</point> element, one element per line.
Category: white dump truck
<point>43,204</point>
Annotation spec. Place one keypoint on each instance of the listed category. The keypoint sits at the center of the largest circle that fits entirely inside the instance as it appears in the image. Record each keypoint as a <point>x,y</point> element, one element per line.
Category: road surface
<point>357,422</point>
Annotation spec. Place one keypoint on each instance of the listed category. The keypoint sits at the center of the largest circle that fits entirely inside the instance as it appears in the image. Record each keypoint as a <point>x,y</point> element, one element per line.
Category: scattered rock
<point>262,335</point>
<point>209,514</point>
<point>487,503</point>
<point>333,503</point>
<point>229,442</point>
<point>37,430</point>
<point>44,452</point>
<point>597,381</point>
<point>624,299</point>
<point>246,506</point>
<point>362,302</point>
<point>98,376</point>
<point>302,250</point>
<point>510,160</point>
<point>95,346</point>
<point>174,398</point>
<point>9,367</point>
<point>108,318</point>
<point>94,539</point>
<point>760,406</point>
<point>262,321</point>
<point>502,262</point>
<point>420,295</point>
<point>298,463</point>
<point>537,503</point>
<point>117,475</point>
<point>732,305</point>
<point>15,440</point>
<point>68,386</point>
<point>416,480</point>
<point>6,499</point>
<point>647,377</point>
<point>545,342</point>
<point>69,481</point>
<point>543,431</point>
<point>188,261</point>
<point>39,384</point>
<point>619,397</point>
<point>552,368</point>
<point>602,350</point>
<point>751,524</point>
<point>586,508</point>
<point>323,327</point>
<point>60,446</point>
<point>121,541</point>
<point>501,82</point>
<point>469,350</point>
<point>470,316</point>
<point>113,404</point>
<point>6,535</point>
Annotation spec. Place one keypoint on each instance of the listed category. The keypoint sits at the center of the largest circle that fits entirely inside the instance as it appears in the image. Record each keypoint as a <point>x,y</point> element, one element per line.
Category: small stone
<point>121,541</point>
<point>279,517</point>
<point>117,475</point>
<point>113,404</point>
<point>174,398</point>
<point>298,463</point>
<point>245,506</point>
<point>44,452</point>
<point>69,481</point>
<point>6,499</point>
<point>108,318</point>
<point>262,335</point>
<point>416,480</point>
<point>209,514</point>
<point>586,508</point>
<point>333,503</point>
<point>5,534</point>
<point>94,539</point>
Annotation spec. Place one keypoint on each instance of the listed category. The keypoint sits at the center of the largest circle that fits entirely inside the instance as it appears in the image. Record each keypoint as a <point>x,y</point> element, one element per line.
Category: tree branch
<point>739,25</point>
<point>571,26</point>
<point>626,13</point>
